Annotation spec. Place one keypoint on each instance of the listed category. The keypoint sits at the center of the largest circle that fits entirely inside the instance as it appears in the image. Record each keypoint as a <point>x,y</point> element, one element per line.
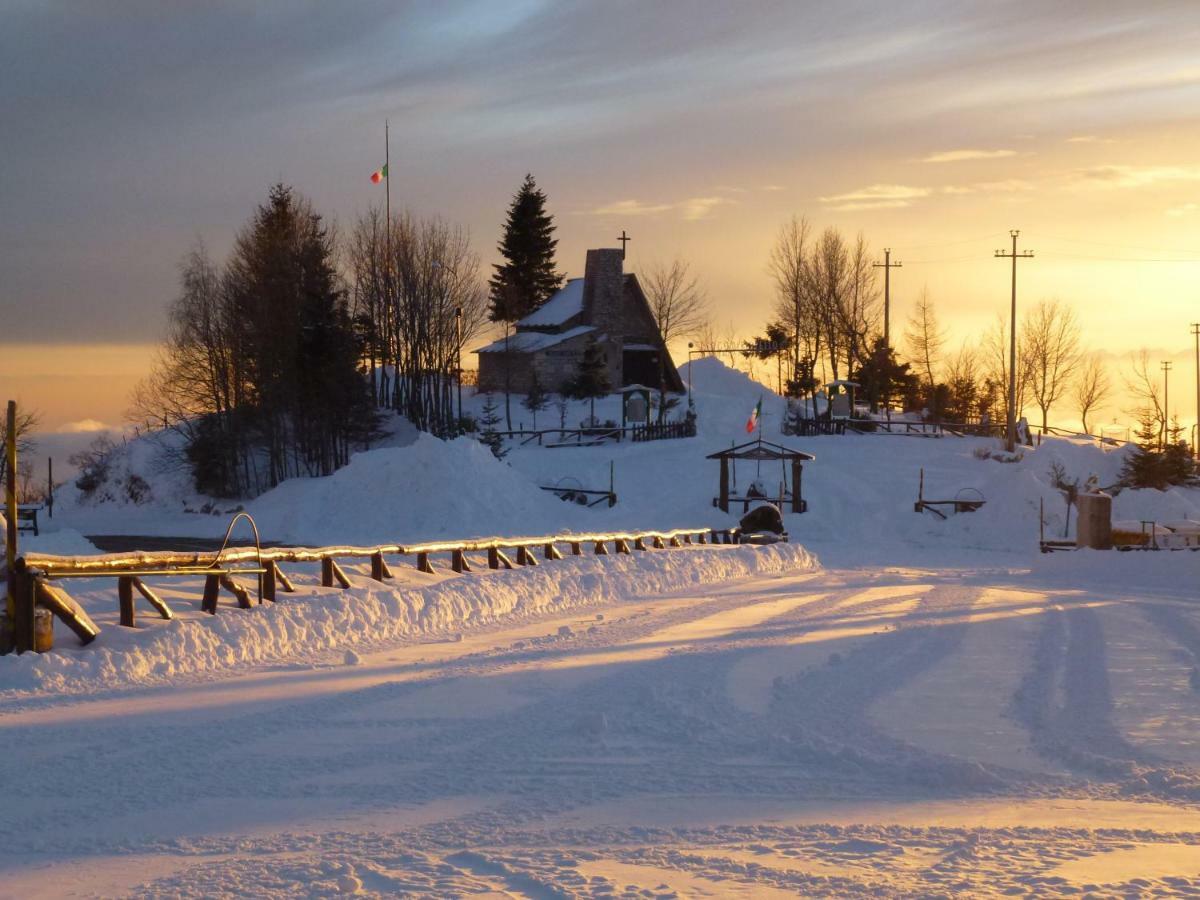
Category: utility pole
<point>1010,441</point>
<point>1166,370</point>
<point>1196,433</point>
<point>887,265</point>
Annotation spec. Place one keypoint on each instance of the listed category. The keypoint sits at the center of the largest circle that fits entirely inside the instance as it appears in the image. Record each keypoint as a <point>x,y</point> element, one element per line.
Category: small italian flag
<point>378,175</point>
<point>752,422</point>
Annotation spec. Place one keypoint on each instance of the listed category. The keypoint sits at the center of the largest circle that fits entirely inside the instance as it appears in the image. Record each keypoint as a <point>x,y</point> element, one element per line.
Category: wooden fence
<point>586,437</point>
<point>37,576</point>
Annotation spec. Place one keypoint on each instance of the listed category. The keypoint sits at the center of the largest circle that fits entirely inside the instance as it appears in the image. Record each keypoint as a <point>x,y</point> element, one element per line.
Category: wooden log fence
<point>37,574</point>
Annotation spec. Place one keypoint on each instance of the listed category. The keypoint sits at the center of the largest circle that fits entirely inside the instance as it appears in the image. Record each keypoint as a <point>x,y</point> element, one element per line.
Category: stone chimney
<point>603,291</point>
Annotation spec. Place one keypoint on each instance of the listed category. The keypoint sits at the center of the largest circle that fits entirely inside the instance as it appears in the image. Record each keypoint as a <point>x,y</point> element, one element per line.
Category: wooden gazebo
<point>760,451</point>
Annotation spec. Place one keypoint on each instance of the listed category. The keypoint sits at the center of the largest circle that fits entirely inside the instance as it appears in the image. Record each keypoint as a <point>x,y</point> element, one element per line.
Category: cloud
<point>699,207</point>
<point>1120,176</point>
<point>1185,209</point>
<point>630,208</point>
<point>876,196</point>
<point>947,156</point>
<point>1089,139</point>
<point>771,187</point>
<point>82,426</point>
<point>1005,186</point>
<point>691,210</point>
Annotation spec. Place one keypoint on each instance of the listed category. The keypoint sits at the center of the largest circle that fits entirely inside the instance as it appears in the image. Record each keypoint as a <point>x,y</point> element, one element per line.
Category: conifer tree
<point>1143,467</point>
<point>591,380</point>
<point>526,278</point>
<point>488,436</point>
<point>536,399</point>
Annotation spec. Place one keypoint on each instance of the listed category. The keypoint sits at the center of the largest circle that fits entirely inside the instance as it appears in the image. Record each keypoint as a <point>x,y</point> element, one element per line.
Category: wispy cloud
<point>1184,209</point>
<point>691,210</point>
<point>1121,176</point>
<point>630,208</point>
<point>1004,186</point>
<point>876,196</point>
<point>949,156</point>
<point>1089,139</point>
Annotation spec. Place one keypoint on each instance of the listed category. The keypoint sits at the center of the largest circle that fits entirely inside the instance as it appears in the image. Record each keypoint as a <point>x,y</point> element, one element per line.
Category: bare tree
<point>1143,386</point>
<point>925,338</point>
<point>27,421</point>
<point>1050,334</point>
<point>794,307</point>
<point>679,306</point>
<point>994,349</point>
<point>829,280</point>
<point>1092,387</point>
<point>859,311</point>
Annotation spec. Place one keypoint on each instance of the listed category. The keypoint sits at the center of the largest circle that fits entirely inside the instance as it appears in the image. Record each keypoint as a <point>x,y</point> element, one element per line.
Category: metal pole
<point>458,333</point>
<point>1166,370</point>
<point>10,508</point>
<point>1196,428</point>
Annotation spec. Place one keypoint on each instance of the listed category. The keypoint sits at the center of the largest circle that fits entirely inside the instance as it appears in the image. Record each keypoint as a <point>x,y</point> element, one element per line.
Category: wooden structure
<point>37,575</point>
<point>966,500</point>
<point>597,435</point>
<point>27,517</point>
<point>760,451</point>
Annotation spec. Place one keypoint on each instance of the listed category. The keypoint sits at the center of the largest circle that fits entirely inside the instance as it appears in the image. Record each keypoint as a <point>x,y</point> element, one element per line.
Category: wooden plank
<point>68,611</point>
<point>153,599</point>
<point>125,599</point>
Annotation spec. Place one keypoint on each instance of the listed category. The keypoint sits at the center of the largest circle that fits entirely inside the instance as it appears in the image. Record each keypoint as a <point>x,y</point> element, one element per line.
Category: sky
<point>134,129</point>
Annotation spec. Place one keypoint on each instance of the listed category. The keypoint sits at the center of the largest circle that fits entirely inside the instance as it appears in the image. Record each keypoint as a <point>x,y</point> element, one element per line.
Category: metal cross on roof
<point>624,239</point>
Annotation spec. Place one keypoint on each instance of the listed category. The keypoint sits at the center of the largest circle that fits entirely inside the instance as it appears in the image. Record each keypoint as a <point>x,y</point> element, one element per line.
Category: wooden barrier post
<point>576,548</point>
<point>601,550</point>
<point>458,561</point>
<point>284,581</point>
<point>524,557</point>
<point>268,582</point>
<point>423,564</point>
<point>379,567</point>
<point>331,572</point>
<point>242,595</point>
<point>551,552</point>
<point>152,598</point>
<point>212,590</point>
<point>125,597</point>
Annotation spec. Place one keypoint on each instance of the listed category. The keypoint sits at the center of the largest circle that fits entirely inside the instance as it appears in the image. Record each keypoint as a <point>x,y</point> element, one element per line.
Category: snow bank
<point>310,624</point>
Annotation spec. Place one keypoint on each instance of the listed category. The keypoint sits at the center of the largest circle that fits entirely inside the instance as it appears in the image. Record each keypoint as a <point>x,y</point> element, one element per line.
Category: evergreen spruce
<point>591,380</point>
<point>1177,464</point>
<point>526,278</point>
<point>883,378</point>
<point>488,436</point>
<point>1144,467</point>
<point>536,399</point>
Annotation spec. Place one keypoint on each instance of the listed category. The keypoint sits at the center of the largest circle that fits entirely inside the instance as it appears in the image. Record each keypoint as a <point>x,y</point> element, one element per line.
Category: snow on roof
<point>563,305</point>
<point>531,341</point>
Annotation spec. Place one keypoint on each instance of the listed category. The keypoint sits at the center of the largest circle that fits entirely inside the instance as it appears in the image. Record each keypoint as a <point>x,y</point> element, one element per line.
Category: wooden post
<point>242,595</point>
<point>658,543</point>
<point>152,598</point>
<point>601,550</point>
<point>379,567</point>
<point>423,564</point>
<point>497,558</point>
<point>639,543</point>
<point>525,558</point>
<point>687,539</point>
<point>268,582</point>
<point>576,548</point>
<point>326,571</point>
<point>797,503</point>
<point>335,573</point>
<point>551,552</point>
<point>621,545</point>
<point>723,499</point>
<point>458,561</point>
<point>702,538</point>
<point>675,542</point>
<point>284,581</point>
<point>23,603</point>
<point>125,597</point>
<point>212,590</point>
<point>62,605</point>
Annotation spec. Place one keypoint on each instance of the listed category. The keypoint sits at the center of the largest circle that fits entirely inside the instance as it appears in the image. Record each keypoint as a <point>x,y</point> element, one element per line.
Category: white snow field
<point>889,705</point>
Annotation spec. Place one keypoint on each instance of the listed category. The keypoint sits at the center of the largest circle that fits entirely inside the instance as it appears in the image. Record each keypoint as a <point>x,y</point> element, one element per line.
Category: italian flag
<point>752,422</point>
<point>378,175</point>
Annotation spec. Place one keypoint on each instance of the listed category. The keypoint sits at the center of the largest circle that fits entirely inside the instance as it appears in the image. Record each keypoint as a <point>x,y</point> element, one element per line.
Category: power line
<point>1120,246</point>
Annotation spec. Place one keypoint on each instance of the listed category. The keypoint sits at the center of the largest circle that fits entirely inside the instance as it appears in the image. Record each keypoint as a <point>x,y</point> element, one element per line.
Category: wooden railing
<point>35,573</point>
<point>583,437</point>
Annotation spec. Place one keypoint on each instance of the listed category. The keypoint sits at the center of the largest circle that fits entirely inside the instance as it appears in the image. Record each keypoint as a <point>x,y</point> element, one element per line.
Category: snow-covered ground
<point>890,705</point>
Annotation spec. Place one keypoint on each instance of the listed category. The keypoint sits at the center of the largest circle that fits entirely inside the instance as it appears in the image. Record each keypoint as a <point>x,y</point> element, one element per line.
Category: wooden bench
<point>27,517</point>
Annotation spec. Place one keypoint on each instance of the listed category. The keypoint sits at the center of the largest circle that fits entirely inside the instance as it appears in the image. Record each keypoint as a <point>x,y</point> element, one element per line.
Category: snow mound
<point>430,489</point>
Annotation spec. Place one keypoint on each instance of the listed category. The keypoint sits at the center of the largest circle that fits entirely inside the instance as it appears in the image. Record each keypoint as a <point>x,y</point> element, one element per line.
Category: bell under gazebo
<point>781,487</point>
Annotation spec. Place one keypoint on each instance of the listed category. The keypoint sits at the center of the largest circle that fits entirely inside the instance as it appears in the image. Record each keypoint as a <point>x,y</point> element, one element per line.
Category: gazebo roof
<point>760,449</point>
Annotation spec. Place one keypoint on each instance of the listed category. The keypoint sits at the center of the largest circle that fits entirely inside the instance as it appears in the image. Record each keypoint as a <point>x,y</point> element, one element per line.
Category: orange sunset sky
<point>932,128</point>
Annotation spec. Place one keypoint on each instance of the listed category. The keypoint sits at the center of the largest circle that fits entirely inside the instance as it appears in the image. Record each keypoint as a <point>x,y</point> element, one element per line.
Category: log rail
<point>35,572</point>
